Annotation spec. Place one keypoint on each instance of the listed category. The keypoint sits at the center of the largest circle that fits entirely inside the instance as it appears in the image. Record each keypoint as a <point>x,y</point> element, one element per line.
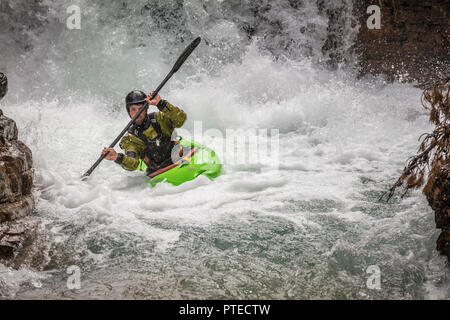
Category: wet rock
<point>16,183</point>
<point>3,86</point>
<point>443,243</point>
<point>20,208</point>
<point>14,236</point>
<point>15,171</point>
<point>16,176</point>
<point>412,43</point>
<point>8,130</point>
<point>439,199</point>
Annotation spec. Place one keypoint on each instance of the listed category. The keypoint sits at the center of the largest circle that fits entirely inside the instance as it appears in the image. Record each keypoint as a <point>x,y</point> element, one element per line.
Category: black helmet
<point>3,85</point>
<point>134,97</point>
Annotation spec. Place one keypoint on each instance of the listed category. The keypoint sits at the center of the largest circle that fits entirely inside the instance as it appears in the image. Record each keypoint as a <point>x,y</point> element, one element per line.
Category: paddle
<point>186,53</point>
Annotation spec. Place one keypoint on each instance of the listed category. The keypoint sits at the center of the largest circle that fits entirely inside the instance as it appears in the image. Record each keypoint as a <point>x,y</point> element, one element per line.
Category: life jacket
<point>157,153</point>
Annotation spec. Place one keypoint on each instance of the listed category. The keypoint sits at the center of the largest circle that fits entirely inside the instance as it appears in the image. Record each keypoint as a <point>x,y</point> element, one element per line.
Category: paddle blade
<point>186,53</point>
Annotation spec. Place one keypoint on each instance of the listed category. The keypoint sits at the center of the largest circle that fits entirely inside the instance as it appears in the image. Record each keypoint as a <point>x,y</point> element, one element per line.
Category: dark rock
<point>8,130</point>
<point>413,42</point>
<point>443,243</point>
<point>14,236</point>
<point>439,199</point>
<point>15,163</point>
<point>3,86</point>
<point>20,208</point>
<point>16,182</point>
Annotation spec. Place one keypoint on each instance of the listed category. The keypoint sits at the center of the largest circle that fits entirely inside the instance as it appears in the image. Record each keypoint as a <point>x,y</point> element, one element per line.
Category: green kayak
<point>197,160</point>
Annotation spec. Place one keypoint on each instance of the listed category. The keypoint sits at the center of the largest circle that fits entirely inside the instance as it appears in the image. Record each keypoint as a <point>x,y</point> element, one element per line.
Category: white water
<point>308,230</point>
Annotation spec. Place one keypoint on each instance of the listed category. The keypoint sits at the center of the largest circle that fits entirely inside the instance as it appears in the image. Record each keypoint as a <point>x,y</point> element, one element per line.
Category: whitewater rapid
<point>309,229</point>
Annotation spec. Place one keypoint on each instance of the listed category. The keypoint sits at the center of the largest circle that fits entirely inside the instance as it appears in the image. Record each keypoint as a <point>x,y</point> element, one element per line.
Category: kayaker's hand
<point>155,99</point>
<point>112,155</point>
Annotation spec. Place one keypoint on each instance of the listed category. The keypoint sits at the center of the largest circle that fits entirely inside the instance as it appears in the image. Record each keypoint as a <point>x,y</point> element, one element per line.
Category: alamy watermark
<point>74,20</point>
<point>374,20</point>
<point>254,146</point>
<point>74,279</point>
<point>374,280</point>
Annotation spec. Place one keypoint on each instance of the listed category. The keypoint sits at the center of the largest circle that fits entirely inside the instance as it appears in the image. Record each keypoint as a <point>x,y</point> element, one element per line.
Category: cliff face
<point>413,42</point>
<point>16,182</point>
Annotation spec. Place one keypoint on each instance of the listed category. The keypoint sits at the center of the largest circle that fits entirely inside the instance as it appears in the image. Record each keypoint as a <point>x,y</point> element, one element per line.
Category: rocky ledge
<point>16,182</point>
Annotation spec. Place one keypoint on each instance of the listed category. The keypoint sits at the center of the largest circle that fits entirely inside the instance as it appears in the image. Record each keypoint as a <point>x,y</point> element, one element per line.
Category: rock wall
<point>16,182</point>
<point>413,42</point>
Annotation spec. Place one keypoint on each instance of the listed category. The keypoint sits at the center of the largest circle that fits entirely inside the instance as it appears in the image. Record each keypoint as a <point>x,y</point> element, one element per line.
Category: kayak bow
<point>197,160</point>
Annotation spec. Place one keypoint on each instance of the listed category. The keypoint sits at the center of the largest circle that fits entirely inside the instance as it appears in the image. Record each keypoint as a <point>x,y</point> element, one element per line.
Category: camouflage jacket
<point>144,142</point>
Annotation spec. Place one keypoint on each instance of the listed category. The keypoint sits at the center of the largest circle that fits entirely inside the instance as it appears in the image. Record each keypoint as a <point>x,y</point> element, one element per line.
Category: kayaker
<point>150,137</point>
